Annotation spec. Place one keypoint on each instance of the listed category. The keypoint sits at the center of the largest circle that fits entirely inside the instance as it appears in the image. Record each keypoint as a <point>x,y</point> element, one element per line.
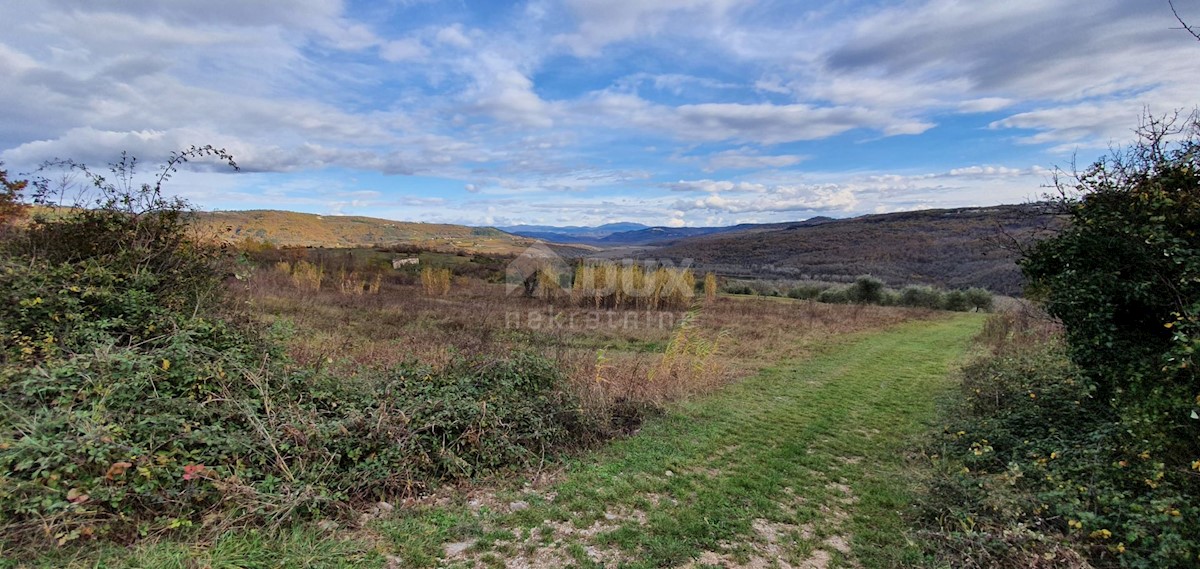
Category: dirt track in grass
<point>801,466</point>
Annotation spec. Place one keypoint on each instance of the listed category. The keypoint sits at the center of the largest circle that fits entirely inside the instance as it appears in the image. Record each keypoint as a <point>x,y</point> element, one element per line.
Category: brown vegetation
<point>618,360</point>
<point>291,229</point>
<point>952,249</point>
<point>436,282</point>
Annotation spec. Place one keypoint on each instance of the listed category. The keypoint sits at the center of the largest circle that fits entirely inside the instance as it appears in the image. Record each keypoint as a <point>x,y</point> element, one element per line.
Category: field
<point>171,401</point>
<point>777,444</point>
<point>320,406</point>
<point>608,354</point>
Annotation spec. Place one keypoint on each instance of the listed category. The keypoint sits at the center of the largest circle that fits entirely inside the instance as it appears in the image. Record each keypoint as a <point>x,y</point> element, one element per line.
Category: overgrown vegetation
<point>136,402</point>
<point>1090,440</point>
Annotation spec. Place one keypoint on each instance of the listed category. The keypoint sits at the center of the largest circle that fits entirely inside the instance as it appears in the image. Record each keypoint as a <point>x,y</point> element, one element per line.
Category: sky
<point>583,112</point>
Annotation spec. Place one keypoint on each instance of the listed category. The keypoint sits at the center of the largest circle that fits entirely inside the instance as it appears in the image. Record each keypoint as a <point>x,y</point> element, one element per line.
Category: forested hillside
<point>953,248</point>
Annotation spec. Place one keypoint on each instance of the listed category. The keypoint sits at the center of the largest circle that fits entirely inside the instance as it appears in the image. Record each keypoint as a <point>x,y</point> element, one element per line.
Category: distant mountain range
<point>950,248</point>
<point>571,233</point>
<point>954,248</point>
<point>628,234</point>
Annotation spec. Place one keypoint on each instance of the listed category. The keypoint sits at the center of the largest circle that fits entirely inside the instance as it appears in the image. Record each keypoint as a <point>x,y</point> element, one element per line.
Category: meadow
<point>168,399</point>
<point>652,380</point>
<point>609,355</point>
<point>168,391</point>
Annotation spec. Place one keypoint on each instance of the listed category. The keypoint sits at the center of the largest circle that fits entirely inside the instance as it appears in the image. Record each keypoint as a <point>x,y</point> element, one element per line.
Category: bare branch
<point>1195,33</point>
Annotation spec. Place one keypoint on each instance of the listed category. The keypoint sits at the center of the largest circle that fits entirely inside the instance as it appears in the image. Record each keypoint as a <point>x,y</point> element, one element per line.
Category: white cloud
<point>985,104</point>
<point>1087,70</point>
<point>714,186</point>
<point>601,22</point>
<point>604,99</point>
<point>747,160</point>
<point>783,198</point>
<point>762,123</point>
<point>408,49</point>
<point>997,171</point>
<point>506,93</point>
<point>454,36</point>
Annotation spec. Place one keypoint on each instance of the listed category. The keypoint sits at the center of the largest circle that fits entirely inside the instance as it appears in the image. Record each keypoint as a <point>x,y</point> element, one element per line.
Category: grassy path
<point>800,466</point>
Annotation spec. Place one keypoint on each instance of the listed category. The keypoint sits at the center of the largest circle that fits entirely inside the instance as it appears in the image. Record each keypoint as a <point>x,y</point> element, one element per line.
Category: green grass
<point>814,449</point>
<point>787,464</point>
<point>298,548</point>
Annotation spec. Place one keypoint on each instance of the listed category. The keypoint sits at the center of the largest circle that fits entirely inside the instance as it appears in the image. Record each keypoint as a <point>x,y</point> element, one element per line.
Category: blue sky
<point>573,112</point>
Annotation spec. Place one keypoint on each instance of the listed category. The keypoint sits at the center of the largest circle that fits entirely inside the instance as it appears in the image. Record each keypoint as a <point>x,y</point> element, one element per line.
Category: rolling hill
<point>291,229</point>
<point>953,248</point>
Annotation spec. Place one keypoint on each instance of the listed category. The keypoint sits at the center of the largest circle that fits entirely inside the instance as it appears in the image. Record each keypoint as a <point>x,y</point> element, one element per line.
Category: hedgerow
<point>1093,440</point>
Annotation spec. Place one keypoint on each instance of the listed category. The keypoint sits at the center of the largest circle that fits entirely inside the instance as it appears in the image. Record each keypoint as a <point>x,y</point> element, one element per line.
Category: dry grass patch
<point>620,361</point>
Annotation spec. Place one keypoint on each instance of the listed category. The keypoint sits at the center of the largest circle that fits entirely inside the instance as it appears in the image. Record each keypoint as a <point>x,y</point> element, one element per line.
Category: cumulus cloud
<point>547,96</point>
<point>783,198</point>
<point>506,93</point>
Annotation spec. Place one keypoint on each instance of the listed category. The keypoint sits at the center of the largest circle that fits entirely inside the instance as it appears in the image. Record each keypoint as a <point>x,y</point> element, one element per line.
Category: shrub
<point>920,297</point>
<point>1099,440</point>
<point>11,206</point>
<point>738,288</point>
<point>549,283</point>
<point>618,286</point>
<point>391,434</point>
<point>1032,462</point>
<point>307,276</point>
<point>834,296</point>
<point>805,292</point>
<point>1124,278</point>
<point>865,290</point>
<point>956,300</point>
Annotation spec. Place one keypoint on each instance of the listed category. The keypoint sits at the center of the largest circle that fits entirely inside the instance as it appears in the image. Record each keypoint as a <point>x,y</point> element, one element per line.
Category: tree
<point>866,290</point>
<point>979,299</point>
<point>1124,278</point>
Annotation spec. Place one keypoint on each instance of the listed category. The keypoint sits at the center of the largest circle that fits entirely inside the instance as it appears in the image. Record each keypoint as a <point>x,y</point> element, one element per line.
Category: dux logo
<point>521,275</point>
